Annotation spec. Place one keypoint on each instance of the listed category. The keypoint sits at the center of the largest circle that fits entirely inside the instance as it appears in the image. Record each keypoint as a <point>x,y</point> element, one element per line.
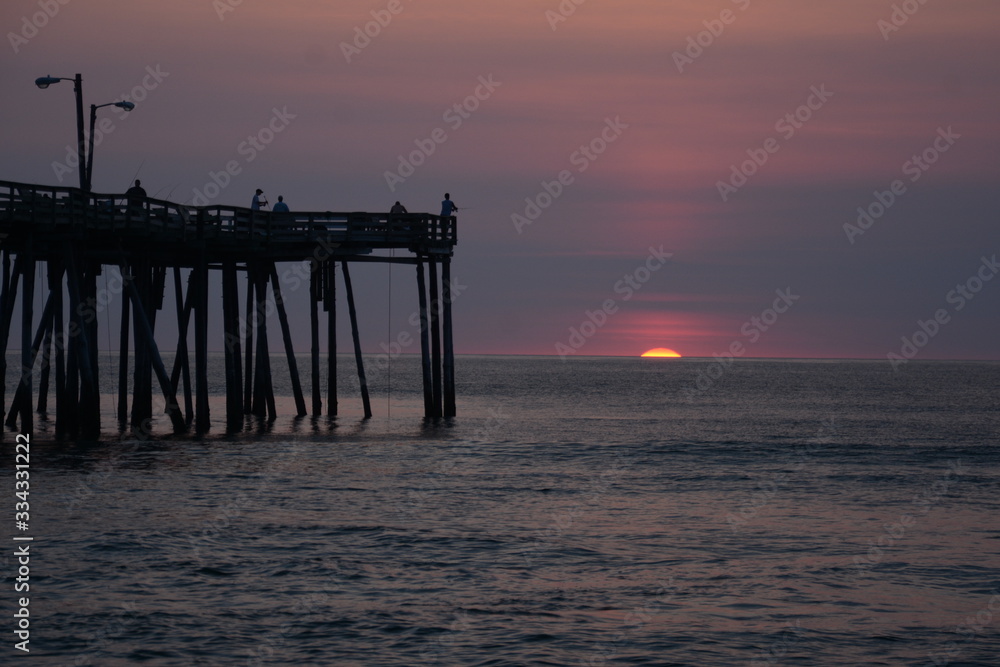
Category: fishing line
<point>136,174</point>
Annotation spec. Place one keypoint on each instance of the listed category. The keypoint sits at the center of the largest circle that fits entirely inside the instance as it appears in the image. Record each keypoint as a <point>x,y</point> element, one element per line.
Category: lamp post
<point>128,106</point>
<point>85,158</point>
<point>44,82</point>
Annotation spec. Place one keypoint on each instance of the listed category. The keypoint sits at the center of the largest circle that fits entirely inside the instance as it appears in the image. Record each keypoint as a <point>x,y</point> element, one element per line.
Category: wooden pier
<point>76,234</point>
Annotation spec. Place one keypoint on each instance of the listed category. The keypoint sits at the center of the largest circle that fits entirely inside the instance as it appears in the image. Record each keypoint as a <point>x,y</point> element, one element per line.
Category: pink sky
<point>223,75</point>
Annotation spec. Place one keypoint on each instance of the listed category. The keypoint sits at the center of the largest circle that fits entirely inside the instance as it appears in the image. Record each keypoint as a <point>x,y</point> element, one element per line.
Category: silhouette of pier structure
<point>75,234</point>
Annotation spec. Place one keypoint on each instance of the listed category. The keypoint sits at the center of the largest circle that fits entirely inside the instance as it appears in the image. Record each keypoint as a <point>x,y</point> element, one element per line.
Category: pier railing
<point>75,213</point>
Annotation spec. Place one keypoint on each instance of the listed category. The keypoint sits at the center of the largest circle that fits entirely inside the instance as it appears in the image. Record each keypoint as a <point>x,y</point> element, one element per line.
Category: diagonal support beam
<point>173,409</point>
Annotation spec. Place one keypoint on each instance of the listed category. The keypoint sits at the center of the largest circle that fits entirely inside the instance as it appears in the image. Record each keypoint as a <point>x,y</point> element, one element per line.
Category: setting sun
<point>660,352</point>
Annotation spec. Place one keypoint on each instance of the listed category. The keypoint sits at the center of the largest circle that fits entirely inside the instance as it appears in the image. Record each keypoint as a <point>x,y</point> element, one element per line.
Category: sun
<point>660,352</point>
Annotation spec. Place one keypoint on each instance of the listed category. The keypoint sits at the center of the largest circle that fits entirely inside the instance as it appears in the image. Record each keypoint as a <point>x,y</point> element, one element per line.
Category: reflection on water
<point>577,513</point>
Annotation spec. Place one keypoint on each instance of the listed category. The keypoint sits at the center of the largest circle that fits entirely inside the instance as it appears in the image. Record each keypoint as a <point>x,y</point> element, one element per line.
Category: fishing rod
<point>157,195</point>
<point>136,174</point>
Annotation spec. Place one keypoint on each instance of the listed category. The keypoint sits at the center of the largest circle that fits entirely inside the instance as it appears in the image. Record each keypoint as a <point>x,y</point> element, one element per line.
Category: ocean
<point>592,511</point>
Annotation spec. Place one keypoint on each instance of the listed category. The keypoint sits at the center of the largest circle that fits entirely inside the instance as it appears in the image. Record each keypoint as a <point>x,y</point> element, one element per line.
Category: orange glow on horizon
<point>660,352</point>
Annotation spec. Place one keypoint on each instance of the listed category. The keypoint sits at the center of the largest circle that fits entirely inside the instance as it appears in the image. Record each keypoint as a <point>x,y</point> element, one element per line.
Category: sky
<point>761,178</point>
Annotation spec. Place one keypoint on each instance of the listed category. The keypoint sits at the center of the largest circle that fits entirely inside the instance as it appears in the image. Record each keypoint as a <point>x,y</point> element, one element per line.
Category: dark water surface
<point>597,511</point>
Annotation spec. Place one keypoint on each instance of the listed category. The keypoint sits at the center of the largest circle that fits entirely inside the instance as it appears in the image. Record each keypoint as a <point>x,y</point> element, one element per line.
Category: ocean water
<point>597,511</point>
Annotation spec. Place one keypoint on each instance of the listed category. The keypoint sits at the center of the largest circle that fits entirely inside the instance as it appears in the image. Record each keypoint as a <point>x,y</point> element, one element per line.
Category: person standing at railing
<point>136,196</point>
<point>281,206</point>
<point>394,220</point>
<point>136,191</point>
<point>448,207</point>
<point>258,200</point>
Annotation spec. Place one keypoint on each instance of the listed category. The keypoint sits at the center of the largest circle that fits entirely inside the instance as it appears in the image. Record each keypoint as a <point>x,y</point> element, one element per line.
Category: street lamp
<point>44,82</point>
<point>128,106</point>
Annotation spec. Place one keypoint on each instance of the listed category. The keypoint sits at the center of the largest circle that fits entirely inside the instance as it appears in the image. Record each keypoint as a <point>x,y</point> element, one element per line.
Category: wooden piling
<point>251,311</point>
<point>88,421</point>
<point>231,332</point>
<point>123,356</point>
<point>145,332</point>
<point>60,347</point>
<point>27,362</point>
<point>7,297</point>
<point>202,418</point>
<point>142,387</point>
<point>71,390</point>
<point>90,404</point>
<point>46,350</point>
<point>425,346</point>
<point>435,339</point>
<point>449,352</point>
<point>314,296</point>
<point>22,397</point>
<point>263,392</point>
<point>365,400</point>
<point>330,302</point>
<point>182,359</point>
<point>286,336</point>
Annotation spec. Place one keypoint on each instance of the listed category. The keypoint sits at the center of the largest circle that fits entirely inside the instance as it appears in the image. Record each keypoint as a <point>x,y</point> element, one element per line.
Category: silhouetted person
<point>258,200</point>
<point>281,206</point>
<point>136,194</point>
<point>448,207</point>
<point>136,191</point>
<point>398,208</point>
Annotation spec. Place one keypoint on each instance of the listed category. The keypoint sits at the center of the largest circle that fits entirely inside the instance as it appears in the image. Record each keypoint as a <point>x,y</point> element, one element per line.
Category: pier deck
<point>105,222</point>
